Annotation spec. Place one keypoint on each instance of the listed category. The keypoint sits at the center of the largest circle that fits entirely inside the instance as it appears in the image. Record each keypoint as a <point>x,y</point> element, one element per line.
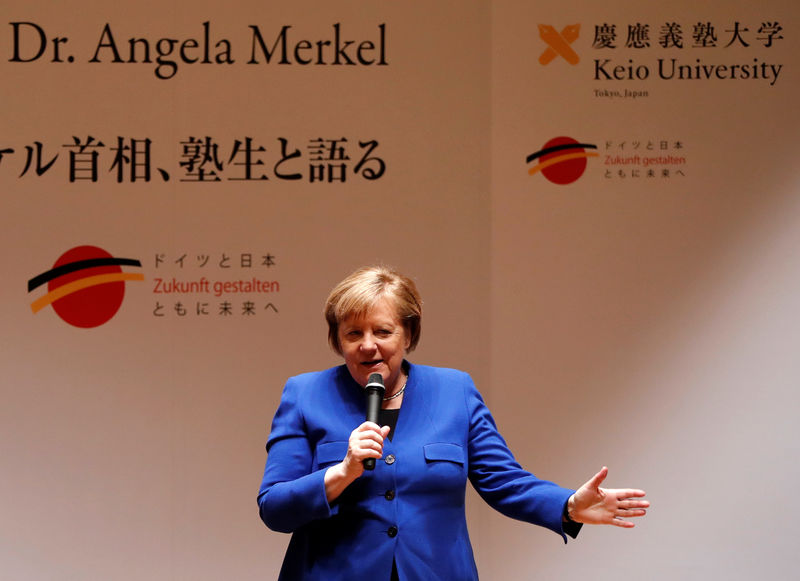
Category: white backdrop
<point>649,323</point>
<point>646,323</point>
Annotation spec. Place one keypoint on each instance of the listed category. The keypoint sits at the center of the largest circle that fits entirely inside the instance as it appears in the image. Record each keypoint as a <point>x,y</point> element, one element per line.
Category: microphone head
<point>375,383</point>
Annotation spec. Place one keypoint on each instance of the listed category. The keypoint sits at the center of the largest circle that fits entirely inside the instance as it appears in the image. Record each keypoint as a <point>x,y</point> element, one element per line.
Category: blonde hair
<point>359,292</point>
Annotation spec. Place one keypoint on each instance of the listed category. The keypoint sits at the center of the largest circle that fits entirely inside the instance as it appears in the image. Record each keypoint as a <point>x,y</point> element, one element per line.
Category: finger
<point>628,510</point>
<point>370,445</point>
<point>618,522</point>
<point>361,453</point>
<point>369,426</point>
<point>365,432</point>
<point>370,435</point>
<point>370,440</point>
<point>365,440</point>
<point>598,478</point>
<point>634,504</point>
<point>372,453</point>
<point>625,493</point>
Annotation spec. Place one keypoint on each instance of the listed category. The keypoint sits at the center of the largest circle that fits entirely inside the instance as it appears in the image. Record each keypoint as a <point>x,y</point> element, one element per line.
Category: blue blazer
<point>410,509</point>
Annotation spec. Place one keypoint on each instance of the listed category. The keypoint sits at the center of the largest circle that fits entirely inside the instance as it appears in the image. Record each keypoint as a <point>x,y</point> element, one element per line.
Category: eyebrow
<point>390,324</point>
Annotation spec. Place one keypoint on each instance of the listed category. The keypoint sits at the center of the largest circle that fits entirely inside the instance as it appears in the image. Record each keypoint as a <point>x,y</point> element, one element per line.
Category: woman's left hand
<point>608,506</point>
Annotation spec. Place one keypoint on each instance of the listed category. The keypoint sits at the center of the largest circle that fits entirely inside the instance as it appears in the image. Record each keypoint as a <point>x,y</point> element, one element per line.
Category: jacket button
<point>389,459</point>
<point>392,532</point>
<point>389,495</point>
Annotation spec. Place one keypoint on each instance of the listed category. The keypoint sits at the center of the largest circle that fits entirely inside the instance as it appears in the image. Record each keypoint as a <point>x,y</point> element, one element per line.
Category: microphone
<point>375,390</point>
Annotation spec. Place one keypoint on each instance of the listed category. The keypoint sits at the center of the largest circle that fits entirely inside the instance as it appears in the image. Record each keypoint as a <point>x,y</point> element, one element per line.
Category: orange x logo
<point>559,44</point>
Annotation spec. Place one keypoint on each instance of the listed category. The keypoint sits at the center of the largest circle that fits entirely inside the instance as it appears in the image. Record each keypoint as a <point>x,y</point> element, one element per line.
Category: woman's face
<point>375,343</point>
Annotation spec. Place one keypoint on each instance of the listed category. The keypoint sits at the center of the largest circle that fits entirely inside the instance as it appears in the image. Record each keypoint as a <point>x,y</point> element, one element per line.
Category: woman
<point>405,519</point>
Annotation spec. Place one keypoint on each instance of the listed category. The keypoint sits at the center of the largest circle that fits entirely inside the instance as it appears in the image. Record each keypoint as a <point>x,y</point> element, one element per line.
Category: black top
<point>389,418</point>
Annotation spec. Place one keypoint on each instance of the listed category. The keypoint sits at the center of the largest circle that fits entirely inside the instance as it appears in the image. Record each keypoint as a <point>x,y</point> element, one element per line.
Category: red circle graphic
<point>94,305</point>
<point>567,171</point>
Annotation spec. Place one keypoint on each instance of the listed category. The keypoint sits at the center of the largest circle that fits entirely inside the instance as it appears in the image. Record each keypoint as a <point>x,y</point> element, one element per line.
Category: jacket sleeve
<point>501,481</point>
<point>292,493</point>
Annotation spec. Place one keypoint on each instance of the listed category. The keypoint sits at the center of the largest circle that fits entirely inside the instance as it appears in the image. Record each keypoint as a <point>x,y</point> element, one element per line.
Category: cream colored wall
<point>135,450</point>
<point>649,326</point>
<point>651,329</point>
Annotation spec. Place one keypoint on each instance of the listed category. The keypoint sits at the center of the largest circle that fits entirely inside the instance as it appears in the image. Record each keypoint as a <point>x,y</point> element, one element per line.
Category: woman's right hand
<point>366,441</point>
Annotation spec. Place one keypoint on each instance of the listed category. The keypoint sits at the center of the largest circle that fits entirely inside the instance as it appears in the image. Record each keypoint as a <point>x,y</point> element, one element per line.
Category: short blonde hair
<point>359,292</point>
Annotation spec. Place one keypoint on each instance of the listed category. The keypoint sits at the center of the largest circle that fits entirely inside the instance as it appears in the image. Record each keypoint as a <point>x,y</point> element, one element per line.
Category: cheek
<point>348,353</point>
<point>402,348</point>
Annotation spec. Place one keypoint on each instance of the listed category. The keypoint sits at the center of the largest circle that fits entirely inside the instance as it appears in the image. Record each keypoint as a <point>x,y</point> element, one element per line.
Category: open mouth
<point>372,363</point>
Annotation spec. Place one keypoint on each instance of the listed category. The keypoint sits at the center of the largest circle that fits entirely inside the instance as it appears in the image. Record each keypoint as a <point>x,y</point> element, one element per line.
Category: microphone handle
<point>374,397</point>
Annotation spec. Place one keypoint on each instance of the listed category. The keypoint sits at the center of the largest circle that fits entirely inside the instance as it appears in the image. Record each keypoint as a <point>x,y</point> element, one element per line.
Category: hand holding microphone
<point>364,440</point>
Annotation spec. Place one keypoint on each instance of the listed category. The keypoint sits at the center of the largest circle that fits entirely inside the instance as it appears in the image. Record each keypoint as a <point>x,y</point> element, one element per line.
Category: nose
<point>367,342</point>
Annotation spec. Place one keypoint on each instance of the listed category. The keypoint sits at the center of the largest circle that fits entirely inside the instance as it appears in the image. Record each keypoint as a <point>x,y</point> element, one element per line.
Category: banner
<point>598,204</point>
<point>183,184</point>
